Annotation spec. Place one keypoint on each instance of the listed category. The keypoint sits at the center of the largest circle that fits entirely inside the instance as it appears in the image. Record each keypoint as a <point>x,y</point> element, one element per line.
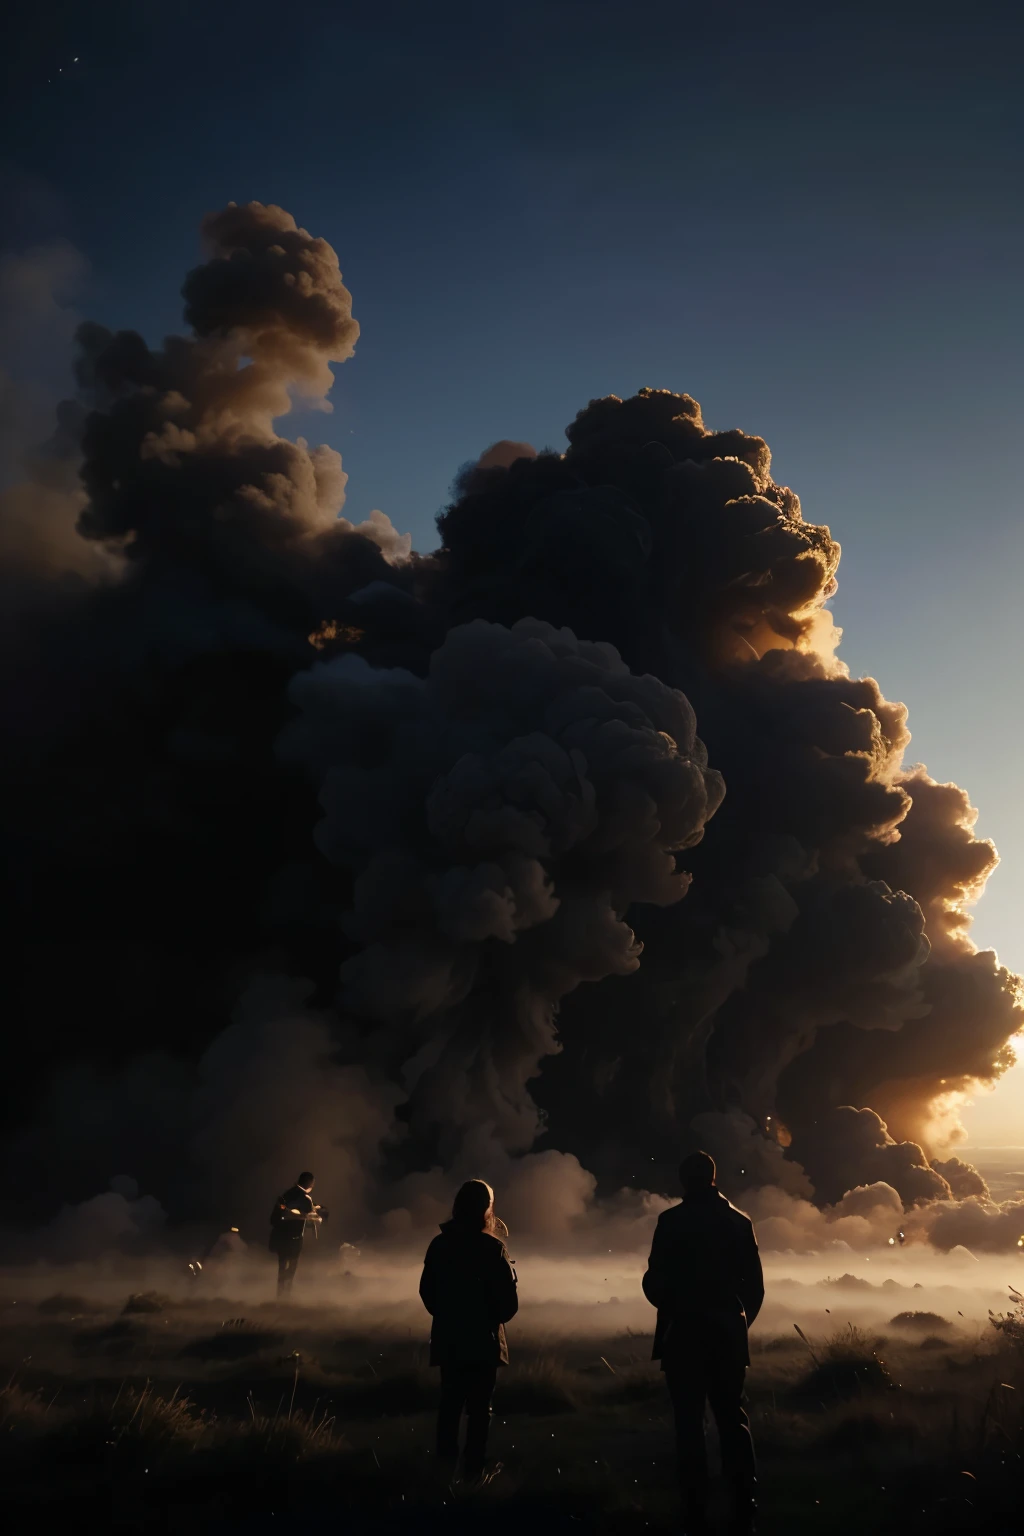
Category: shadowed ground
<point>186,1417</point>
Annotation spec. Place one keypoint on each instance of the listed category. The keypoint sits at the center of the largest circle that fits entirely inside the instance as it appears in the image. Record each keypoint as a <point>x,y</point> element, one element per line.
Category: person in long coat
<point>469,1287</point>
<point>704,1276</point>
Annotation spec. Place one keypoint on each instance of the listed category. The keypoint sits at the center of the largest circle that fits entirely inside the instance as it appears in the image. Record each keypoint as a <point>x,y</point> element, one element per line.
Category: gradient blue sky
<point>808,216</point>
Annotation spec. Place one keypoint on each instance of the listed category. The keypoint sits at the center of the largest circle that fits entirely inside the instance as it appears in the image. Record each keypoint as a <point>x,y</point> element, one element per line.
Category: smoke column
<point>460,805</point>
<point>501,816</point>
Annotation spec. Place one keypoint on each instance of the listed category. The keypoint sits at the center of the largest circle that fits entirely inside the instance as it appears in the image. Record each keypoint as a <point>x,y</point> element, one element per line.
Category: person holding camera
<point>288,1220</point>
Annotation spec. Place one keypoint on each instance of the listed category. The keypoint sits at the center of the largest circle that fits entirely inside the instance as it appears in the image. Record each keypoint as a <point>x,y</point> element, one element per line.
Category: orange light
<point>330,630</point>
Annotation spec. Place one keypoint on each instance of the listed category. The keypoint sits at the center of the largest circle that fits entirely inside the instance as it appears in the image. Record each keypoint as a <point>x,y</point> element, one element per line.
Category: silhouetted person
<point>469,1288</point>
<point>704,1276</point>
<point>288,1219</point>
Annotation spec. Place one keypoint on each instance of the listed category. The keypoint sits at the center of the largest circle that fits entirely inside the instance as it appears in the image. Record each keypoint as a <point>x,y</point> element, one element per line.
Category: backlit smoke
<point>452,802</point>
<point>822,963</point>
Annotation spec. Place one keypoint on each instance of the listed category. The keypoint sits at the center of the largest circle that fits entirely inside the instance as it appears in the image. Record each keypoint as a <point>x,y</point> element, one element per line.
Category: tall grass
<point>588,1442</point>
<point>542,1385</point>
<point>139,1424</point>
<point>846,1363</point>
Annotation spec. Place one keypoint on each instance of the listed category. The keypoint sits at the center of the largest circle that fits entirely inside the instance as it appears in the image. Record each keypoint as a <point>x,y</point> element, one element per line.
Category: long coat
<point>469,1288</point>
<point>704,1276</point>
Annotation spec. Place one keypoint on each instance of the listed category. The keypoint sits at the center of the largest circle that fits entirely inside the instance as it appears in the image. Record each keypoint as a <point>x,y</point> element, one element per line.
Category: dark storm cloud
<point>818,954</point>
<point>148,654</point>
<point>182,466</point>
<point>512,800</point>
<point>500,816</point>
<point>271,282</point>
<point>843,1147</point>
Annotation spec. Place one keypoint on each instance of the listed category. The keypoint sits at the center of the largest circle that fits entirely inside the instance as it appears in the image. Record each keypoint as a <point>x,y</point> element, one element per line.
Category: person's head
<point>305,1181</point>
<point>474,1206</point>
<point>697,1173</point>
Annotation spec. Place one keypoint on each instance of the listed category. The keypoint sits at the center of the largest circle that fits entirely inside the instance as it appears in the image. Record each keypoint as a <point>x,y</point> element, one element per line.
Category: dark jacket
<point>469,1288</point>
<point>704,1276</point>
<point>286,1230</point>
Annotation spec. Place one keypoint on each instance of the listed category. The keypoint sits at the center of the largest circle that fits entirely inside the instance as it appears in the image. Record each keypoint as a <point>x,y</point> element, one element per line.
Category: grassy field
<point>183,1417</point>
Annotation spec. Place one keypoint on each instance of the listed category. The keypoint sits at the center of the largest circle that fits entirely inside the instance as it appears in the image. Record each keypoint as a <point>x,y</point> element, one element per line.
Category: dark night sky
<point>808,216</point>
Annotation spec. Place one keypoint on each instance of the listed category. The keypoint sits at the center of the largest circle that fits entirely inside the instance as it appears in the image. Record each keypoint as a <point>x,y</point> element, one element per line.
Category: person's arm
<point>294,1217</point>
<point>428,1282</point>
<point>504,1288</point>
<point>752,1281</point>
<point>283,1215</point>
<point>656,1280</point>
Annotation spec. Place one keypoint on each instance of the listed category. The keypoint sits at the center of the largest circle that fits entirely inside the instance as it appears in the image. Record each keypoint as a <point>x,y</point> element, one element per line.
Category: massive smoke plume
<point>501,816</point>
<point>454,802</point>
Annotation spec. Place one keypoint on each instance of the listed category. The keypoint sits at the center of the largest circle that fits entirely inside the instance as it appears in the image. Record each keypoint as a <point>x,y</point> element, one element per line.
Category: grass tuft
<point>543,1385</point>
<point>60,1305</point>
<point>844,1365</point>
<point>139,1430</point>
<point>146,1301</point>
<point>234,1340</point>
<point>1011,1324</point>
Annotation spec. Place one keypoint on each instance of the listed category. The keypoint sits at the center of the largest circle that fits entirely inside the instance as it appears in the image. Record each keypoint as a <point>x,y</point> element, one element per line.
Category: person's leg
<point>288,1260</point>
<point>725,1394</point>
<point>449,1412</point>
<point>687,1386</point>
<point>479,1392</point>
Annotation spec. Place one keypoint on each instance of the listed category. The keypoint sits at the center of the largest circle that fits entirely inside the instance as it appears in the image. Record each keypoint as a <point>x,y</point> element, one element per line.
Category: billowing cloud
<point>500,817</point>
<point>455,800</point>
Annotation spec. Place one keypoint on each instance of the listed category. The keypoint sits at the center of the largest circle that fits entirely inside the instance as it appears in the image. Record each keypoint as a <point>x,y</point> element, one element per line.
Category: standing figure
<point>469,1288</point>
<point>288,1219</point>
<point>704,1276</point>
